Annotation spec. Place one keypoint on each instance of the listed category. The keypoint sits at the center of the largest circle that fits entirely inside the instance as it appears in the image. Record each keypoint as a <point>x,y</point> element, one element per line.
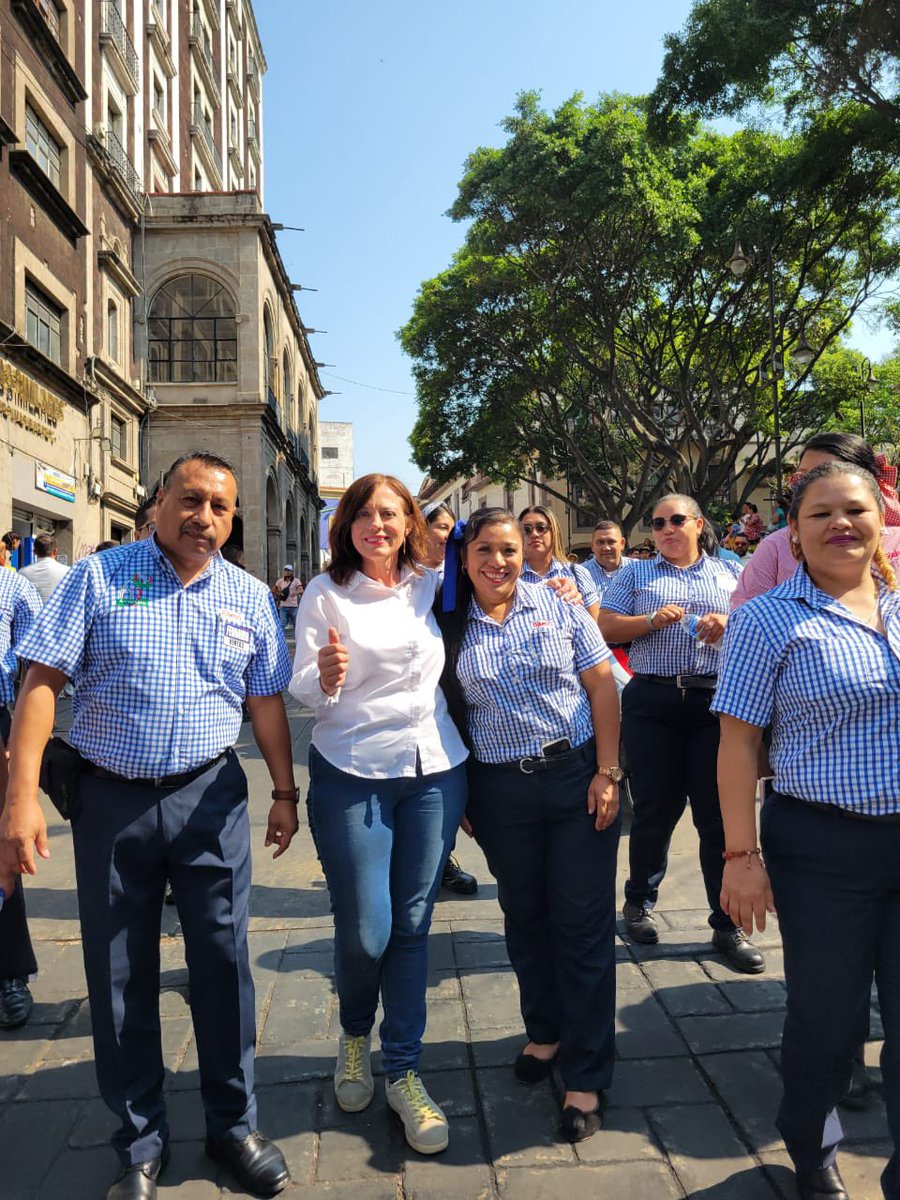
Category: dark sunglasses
<point>537,527</point>
<point>677,519</point>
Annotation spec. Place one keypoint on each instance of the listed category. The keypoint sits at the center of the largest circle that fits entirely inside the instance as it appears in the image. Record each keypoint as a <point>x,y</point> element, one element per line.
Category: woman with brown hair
<point>545,555</point>
<point>387,784</point>
<point>818,658</point>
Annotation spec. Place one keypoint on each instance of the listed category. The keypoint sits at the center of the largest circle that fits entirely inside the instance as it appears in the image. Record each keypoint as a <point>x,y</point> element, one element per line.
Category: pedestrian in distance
<point>164,642</point>
<point>545,555</point>
<point>673,609</point>
<point>818,658</point>
<point>20,604</point>
<point>45,572</point>
<point>440,522</point>
<point>387,785</point>
<point>287,592</point>
<point>541,711</point>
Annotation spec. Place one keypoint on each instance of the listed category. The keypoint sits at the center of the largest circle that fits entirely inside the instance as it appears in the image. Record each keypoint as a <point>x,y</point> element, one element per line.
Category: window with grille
<point>42,146</point>
<point>43,323</point>
<point>192,332</point>
<point>118,436</point>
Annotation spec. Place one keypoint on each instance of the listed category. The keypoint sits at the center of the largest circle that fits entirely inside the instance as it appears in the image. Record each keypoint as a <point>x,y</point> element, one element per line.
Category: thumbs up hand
<point>333,662</point>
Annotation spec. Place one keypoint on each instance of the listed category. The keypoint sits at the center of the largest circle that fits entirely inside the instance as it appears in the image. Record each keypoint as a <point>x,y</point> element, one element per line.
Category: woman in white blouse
<point>387,784</point>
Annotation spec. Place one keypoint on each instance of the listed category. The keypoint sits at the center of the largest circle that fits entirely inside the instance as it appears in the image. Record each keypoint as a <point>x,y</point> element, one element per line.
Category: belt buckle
<point>680,684</point>
<point>525,770</point>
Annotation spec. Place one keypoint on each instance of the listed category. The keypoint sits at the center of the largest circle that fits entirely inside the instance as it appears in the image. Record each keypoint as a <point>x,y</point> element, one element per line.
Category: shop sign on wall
<point>28,404</point>
<point>54,483</point>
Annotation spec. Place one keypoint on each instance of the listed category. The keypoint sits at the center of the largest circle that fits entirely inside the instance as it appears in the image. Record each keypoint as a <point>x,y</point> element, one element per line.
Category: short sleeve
<point>269,670</point>
<point>586,585</point>
<point>589,646</point>
<point>59,634</point>
<point>619,596</point>
<point>748,669</point>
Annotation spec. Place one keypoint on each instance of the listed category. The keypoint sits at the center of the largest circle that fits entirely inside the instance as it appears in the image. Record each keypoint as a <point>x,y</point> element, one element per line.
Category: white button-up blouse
<point>391,705</point>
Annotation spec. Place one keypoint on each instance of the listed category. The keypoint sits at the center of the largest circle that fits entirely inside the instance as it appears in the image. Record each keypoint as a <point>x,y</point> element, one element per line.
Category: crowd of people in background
<point>472,675</point>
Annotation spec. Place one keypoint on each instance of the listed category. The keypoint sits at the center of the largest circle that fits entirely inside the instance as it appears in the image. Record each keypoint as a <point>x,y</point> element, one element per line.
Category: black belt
<point>835,810</point>
<point>164,781</point>
<point>541,762</point>
<point>704,682</point>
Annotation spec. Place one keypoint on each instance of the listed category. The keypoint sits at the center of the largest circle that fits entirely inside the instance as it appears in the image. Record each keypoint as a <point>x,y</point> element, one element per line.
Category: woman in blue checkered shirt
<point>542,718</point>
<point>819,658</point>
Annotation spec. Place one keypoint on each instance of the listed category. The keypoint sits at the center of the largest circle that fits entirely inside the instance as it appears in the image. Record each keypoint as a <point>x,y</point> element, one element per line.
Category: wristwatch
<point>616,774</point>
<point>651,617</point>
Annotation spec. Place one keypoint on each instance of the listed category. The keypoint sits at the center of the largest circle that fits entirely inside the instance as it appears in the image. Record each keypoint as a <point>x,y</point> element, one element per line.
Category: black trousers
<point>16,953</point>
<point>556,879</point>
<point>836,883</point>
<point>672,743</point>
<point>129,839</point>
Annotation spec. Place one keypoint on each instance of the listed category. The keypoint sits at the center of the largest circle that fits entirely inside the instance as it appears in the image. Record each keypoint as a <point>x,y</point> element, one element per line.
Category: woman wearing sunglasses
<point>671,739</point>
<point>545,555</point>
<point>531,680</point>
<point>773,563</point>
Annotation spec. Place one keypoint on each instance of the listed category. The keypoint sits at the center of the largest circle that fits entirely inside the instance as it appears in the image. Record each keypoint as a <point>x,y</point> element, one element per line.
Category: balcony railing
<point>208,140</point>
<point>112,27</point>
<point>121,161</point>
<point>201,40</point>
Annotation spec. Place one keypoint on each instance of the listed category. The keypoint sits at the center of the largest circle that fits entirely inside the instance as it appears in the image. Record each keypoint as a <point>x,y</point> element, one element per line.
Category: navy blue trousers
<point>128,841</point>
<point>556,883</point>
<point>672,743</point>
<point>836,884</point>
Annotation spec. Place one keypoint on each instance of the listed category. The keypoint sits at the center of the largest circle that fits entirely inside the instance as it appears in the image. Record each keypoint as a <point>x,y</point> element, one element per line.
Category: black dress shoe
<point>739,950</point>
<point>139,1182</point>
<point>822,1184</point>
<point>16,1003</point>
<point>640,924</point>
<point>890,1179</point>
<point>455,879</point>
<point>529,1068</point>
<point>860,1096</point>
<point>576,1125</point>
<point>255,1162</point>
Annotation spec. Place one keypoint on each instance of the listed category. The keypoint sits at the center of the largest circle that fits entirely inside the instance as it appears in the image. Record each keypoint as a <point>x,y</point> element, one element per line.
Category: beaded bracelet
<point>728,855</point>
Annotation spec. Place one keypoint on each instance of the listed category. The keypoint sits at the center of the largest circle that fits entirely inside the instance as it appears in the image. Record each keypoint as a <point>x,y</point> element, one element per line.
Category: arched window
<point>192,332</point>
<point>269,349</point>
<point>287,386</point>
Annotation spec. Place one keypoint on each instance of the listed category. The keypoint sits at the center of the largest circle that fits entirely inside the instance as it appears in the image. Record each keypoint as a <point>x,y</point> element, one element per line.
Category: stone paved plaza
<point>691,1109</point>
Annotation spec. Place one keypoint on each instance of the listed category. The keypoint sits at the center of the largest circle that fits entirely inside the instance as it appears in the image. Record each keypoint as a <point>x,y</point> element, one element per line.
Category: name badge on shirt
<point>237,637</point>
<point>541,624</point>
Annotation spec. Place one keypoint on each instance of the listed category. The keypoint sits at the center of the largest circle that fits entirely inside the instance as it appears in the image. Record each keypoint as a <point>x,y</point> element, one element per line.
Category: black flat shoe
<point>255,1162</point>
<point>822,1184</point>
<point>16,1003</point>
<point>455,879</point>
<point>139,1182</point>
<point>530,1069</point>
<point>576,1126</point>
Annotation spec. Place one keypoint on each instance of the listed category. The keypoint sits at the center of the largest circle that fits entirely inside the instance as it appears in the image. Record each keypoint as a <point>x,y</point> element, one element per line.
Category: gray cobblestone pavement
<point>691,1109</point>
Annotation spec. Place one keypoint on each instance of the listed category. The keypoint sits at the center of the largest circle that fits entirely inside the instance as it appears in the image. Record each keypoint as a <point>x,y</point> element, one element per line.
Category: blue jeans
<point>383,844</point>
<point>288,618</point>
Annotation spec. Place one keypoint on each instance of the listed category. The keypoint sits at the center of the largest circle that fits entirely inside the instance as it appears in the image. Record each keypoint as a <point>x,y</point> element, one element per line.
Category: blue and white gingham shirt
<point>160,670</point>
<point>603,579</point>
<point>20,603</point>
<point>521,680</point>
<point>652,583</point>
<point>561,570</point>
<point>829,685</point>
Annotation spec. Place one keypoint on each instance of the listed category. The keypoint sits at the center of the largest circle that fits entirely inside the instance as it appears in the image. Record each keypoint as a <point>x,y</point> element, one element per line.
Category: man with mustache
<point>164,642</point>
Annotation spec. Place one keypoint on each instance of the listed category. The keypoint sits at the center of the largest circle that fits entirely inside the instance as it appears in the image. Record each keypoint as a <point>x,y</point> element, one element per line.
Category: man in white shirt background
<point>45,572</point>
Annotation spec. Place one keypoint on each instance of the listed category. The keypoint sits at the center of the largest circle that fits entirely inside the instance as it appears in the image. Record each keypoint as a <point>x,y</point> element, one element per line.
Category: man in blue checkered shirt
<point>164,642</point>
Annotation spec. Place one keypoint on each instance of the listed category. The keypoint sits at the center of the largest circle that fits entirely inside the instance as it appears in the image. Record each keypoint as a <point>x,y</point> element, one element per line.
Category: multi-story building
<point>336,473</point>
<point>114,114</point>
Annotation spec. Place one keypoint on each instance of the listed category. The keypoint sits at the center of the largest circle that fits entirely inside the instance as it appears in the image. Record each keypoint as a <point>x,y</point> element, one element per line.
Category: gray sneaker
<point>425,1125</point>
<point>353,1083</point>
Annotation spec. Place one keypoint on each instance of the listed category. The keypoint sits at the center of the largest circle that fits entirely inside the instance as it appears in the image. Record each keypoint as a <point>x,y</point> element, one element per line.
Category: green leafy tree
<point>588,326</point>
<point>802,54</point>
<point>864,398</point>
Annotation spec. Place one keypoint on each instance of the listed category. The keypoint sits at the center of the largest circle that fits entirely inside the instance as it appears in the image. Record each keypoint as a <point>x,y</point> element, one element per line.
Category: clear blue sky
<point>370,111</point>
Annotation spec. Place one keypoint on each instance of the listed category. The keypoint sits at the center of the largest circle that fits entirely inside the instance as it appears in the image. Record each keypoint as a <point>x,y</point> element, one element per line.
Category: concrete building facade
<point>337,470</point>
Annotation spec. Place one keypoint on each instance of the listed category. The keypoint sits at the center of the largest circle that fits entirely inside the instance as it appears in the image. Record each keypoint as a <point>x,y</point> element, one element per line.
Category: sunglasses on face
<point>678,520</point>
<point>537,527</point>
